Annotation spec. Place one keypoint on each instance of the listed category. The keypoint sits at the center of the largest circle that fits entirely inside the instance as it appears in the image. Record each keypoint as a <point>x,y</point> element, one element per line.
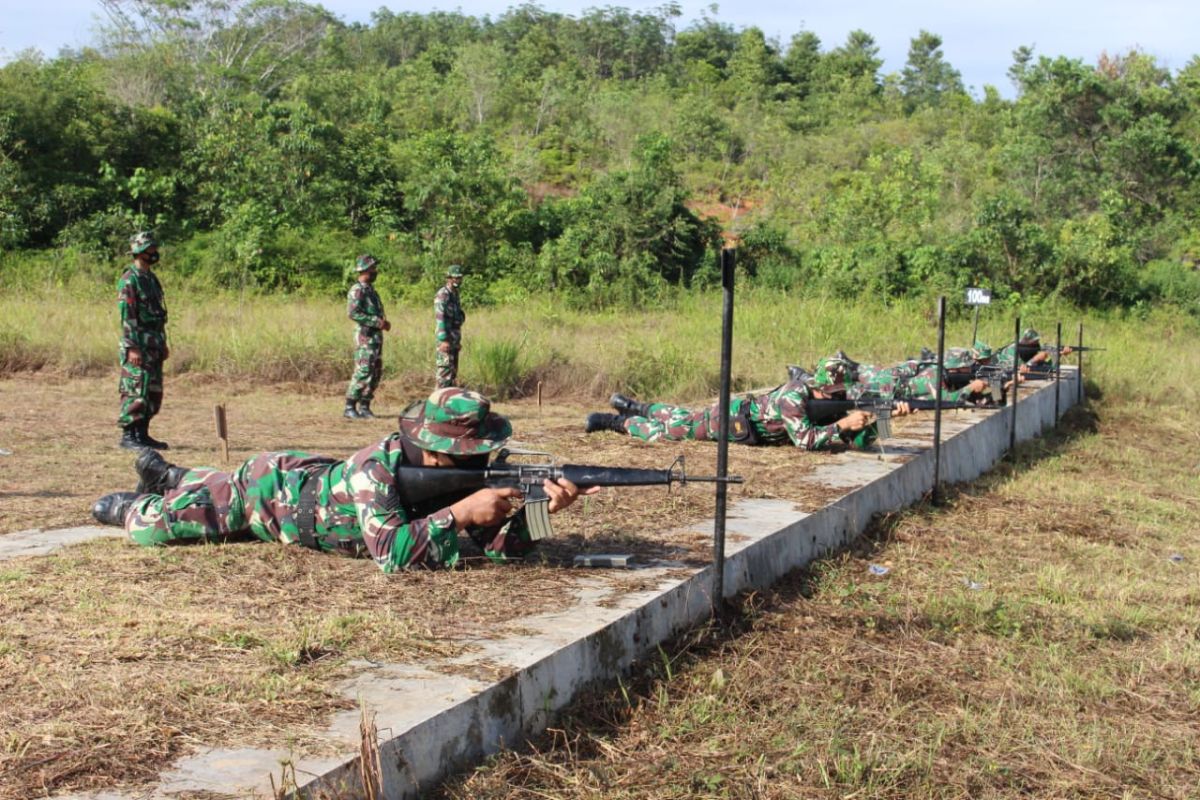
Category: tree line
<point>600,157</point>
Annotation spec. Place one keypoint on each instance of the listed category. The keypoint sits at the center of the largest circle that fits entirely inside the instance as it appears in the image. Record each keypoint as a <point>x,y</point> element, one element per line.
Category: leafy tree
<point>927,78</point>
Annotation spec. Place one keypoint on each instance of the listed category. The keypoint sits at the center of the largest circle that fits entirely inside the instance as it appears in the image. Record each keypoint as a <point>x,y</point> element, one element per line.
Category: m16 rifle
<point>999,377</point>
<point>416,485</point>
<point>828,411</point>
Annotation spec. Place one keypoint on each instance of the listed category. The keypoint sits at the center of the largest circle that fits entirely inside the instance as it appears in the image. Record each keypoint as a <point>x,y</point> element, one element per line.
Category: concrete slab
<point>38,542</point>
<point>435,719</point>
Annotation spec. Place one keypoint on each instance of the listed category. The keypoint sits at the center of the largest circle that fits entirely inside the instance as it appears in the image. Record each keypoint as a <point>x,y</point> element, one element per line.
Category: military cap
<point>832,374</point>
<point>455,271</point>
<point>1030,335</point>
<point>366,262</point>
<point>981,351</point>
<point>456,421</point>
<point>958,357</point>
<point>142,241</point>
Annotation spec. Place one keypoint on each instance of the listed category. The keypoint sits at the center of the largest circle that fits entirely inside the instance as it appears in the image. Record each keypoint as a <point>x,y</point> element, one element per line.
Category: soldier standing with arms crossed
<point>449,318</point>
<point>365,308</point>
<point>143,344</point>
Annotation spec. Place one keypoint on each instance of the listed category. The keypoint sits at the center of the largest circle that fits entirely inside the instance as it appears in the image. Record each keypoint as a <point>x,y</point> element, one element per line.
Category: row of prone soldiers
<point>359,506</point>
<point>143,346</point>
<point>973,376</point>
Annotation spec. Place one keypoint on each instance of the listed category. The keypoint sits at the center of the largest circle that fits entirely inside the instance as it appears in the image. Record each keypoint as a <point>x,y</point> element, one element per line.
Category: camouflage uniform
<point>357,509</point>
<point>1006,356</point>
<point>777,417</point>
<point>364,307</point>
<point>143,327</point>
<point>448,321</point>
<point>924,384</point>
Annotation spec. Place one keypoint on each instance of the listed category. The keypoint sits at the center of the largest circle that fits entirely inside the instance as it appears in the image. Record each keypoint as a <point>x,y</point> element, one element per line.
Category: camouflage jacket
<point>448,317</point>
<point>923,386</point>
<point>143,310</point>
<point>358,500</point>
<point>781,415</point>
<point>364,306</point>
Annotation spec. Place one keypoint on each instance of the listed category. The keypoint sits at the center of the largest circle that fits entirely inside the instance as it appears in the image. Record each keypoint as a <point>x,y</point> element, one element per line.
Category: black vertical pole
<point>728,257</point>
<point>937,409</point>
<point>1012,430</point>
<point>1079,363</point>
<point>1057,368</point>
<point>975,330</point>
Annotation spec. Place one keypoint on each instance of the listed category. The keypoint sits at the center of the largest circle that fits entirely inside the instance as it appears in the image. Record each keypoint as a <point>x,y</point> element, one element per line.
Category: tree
<point>927,78</point>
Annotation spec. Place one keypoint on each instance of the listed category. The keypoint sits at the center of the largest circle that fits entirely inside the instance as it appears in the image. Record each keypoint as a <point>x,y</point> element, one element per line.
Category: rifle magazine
<point>537,519</point>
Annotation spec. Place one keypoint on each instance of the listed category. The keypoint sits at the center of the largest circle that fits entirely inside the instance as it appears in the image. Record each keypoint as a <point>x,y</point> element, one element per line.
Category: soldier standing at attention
<point>365,308</point>
<point>143,344</point>
<point>449,319</point>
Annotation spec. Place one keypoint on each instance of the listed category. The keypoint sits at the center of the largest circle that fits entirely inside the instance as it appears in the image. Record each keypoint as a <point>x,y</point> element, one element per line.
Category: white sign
<point>979,297</point>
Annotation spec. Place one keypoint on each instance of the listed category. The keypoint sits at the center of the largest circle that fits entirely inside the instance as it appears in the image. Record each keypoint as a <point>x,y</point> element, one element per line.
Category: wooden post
<point>539,391</point>
<point>222,431</point>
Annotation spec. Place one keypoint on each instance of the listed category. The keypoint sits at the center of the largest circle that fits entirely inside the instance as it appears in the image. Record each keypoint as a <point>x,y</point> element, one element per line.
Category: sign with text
<point>979,297</point>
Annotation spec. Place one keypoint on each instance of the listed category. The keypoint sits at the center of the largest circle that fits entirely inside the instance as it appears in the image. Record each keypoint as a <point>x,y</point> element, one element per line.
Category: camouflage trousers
<point>676,423</point>
<point>368,365</point>
<point>260,497</point>
<point>446,371</point>
<point>141,388</point>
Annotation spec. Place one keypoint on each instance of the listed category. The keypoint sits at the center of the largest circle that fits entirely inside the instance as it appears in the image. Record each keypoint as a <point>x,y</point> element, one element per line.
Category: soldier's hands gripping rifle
<point>1000,378</point>
<point>829,411</point>
<point>416,485</point>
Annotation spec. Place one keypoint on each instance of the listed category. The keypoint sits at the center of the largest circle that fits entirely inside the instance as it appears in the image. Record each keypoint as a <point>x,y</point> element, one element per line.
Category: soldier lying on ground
<point>777,417</point>
<point>350,507</point>
<point>1028,349</point>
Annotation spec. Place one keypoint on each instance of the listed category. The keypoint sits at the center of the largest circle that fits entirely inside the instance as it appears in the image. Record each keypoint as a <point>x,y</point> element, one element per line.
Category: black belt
<point>306,512</point>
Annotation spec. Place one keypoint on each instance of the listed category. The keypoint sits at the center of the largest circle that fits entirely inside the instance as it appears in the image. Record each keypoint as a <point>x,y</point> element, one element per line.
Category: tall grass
<point>668,353</point>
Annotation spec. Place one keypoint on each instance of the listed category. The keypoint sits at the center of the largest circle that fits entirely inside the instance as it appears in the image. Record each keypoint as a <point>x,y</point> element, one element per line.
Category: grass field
<point>1035,637</point>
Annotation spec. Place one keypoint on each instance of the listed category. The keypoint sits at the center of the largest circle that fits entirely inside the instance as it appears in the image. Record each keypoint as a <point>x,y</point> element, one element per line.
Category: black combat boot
<point>112,508</point>
<point>605,422</point>
<point>147,440</point>
<point>629,407</point>
<point>155,474</point>
<point>351,412</point>
<point>131,437</point>
<point>364,410</point>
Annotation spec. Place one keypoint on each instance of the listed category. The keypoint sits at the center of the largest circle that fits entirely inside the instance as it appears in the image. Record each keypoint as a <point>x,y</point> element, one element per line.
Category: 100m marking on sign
<point>979,297</point>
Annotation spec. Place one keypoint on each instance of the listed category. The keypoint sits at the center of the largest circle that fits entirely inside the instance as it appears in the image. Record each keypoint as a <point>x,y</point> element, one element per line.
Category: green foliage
<point>268,144</point>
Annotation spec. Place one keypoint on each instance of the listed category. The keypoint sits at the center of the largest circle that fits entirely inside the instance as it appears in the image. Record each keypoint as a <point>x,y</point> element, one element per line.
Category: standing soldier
<point>449,319</point>
<point>365,308</point>
<point>143,344</point>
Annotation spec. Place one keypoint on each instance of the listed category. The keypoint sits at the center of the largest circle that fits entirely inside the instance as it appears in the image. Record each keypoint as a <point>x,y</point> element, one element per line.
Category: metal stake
<point>937,410</point>
<point>1057,367</point>
<point>1012,431</point>
<point>1079,363</point>
<point>728,258</point>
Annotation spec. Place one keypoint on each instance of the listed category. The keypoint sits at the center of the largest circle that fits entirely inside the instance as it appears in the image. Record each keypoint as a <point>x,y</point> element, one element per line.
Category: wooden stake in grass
<point>539,398</point>
<point>222,431</point>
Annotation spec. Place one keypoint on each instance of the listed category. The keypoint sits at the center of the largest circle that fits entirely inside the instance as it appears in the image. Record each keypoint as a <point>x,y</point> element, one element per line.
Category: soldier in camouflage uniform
<point>364,307</point>
<point>1029,350</point>
<point>958,383</point>
<point>143,344</point>
<point>349,507</point>
<point>448,321</point>
<point>777,417</point>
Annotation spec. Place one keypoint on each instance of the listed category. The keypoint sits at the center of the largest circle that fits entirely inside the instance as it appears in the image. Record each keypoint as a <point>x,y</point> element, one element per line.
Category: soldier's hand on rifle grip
<point>854,421</point>
<point>903,409</point>
<point>977,386</point>
<point>135,356</point>
<point>485,508</point>
<point>564,493</point>
<point>1066,350</point>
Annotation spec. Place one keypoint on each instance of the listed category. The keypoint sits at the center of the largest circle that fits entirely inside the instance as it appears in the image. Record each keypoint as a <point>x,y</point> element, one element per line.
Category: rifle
<point>420,484</point>
<point>1053,348</point>
<point>998,376</point>
<point>826,412</point>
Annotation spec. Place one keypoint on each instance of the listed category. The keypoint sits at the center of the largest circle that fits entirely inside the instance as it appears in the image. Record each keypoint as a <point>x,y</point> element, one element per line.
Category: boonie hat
<point>456,421</point>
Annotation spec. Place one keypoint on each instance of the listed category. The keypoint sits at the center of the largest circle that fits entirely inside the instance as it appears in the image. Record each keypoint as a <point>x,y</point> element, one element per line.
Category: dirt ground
<point>115,660</point>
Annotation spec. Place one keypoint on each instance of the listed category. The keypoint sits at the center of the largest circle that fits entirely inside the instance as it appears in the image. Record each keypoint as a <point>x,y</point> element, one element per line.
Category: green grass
<point>668,353</point>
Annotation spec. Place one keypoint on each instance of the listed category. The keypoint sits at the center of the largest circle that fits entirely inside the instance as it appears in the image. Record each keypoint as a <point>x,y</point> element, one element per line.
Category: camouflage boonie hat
<point>1029,335</point>
<point>455,271</point>
<point>458,422</point>
<point>832,374</point>
<point>958,357</point>
<point>142,241</point>
<point>366,262</point>
<point>981,351</point>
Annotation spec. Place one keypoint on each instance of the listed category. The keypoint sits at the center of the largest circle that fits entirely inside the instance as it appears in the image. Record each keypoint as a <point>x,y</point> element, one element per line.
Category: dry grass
<point>1034,637</point>
<point>116,659</point>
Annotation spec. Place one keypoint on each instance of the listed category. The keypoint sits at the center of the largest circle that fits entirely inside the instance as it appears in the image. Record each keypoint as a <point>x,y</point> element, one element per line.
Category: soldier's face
<point>147,257</point>
<point>454,281</point>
